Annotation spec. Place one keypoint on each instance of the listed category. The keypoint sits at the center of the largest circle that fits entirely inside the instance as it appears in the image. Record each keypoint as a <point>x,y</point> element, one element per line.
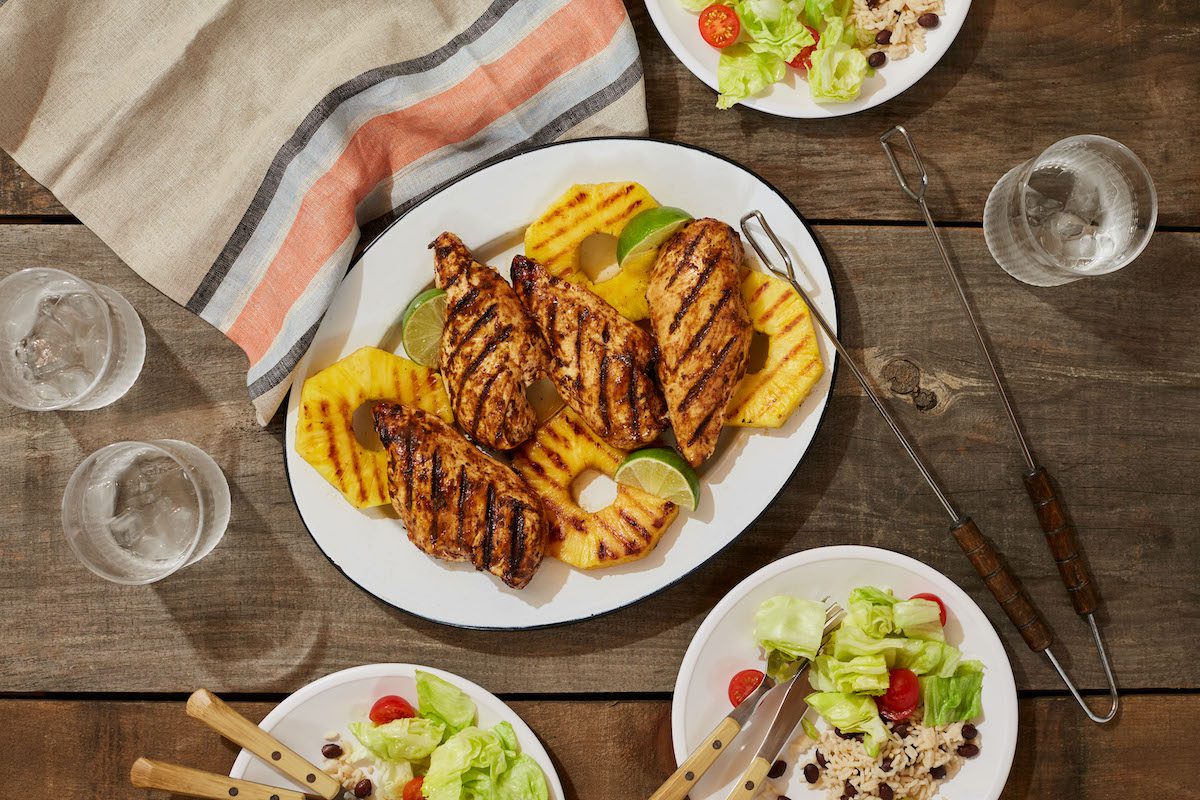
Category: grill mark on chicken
<point>487,316</point>
<point>483,395</point>
<point>408,469</point>
<point>694,391</point>
<point>464,301</point>
<point>631,390</point>
<point>435,493</point>
<point>710,264</point>
<point>516,534</point>
<point>500,337</point>
<point>688,251</point>
<point>602,384</point>
<point>695,437</point>
<point>703,330</point>
<point>489,527</point>
<point>464,490</point>
<point>579,323</point>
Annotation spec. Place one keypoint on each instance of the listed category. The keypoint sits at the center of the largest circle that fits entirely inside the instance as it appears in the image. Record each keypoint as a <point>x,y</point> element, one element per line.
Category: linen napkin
<point>228,150</point>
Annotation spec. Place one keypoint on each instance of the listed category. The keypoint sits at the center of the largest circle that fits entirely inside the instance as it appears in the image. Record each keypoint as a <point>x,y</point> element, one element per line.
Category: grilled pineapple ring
<point>768,397</point>
<point>325,433</point>
<point>626,530</point>
<point>553,240</point>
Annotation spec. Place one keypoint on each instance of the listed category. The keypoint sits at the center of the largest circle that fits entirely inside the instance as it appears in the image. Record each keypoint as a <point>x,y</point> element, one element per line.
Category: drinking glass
<point>66,343</point>
<point>135,512</point>
<point>1084,206</point>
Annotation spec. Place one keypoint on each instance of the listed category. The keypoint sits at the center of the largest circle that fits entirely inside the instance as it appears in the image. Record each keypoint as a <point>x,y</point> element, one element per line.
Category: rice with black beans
<point>898,16</point>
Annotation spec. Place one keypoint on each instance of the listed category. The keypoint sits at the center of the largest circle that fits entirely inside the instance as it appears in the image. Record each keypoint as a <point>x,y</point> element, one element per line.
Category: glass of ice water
<point>135,512</point>
<point>66,343</point>
<point>1085,206</point>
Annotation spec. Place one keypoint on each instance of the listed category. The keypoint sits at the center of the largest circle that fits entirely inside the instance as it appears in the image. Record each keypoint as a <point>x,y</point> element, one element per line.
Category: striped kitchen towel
<point>228,150</point>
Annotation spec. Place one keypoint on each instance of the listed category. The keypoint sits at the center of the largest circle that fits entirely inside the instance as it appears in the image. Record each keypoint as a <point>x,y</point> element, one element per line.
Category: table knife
<point>783,727</point>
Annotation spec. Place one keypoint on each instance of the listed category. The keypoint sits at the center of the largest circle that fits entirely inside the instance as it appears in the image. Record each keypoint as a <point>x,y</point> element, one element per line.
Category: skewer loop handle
<point>1060,536</point>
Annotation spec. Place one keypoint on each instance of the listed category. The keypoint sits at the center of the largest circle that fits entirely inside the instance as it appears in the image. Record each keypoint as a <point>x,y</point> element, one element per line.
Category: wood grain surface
<point>1021,75</point>
<point>1104,373</point>
<point>600,749</point>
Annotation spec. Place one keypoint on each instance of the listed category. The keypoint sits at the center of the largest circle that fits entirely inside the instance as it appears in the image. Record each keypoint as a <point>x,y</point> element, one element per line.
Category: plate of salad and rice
<point>808,58</point>
<point>912,695</point>
<point>403,732</point>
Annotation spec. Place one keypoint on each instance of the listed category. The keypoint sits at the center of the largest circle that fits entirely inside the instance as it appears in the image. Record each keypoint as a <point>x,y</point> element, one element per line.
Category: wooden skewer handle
<point>147,774</point>
<point>1060,535</point>
<point>683,780</point>
<point>750,784</point>
<point>1003,585</point>
<point>213,712</point>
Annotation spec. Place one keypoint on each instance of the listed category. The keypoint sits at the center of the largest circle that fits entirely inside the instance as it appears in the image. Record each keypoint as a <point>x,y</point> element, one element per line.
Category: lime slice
<point>663,473</point>
<point>648,230</point>
<point>421,327</point>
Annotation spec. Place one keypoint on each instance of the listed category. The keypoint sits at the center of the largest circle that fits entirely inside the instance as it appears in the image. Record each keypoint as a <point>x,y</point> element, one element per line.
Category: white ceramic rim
<point>525,736</point>
<point>945,588</point>
<point>932,55</point>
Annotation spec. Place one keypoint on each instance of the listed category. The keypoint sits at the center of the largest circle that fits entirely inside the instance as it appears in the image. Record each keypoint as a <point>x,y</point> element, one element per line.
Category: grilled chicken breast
<point>456,503</point>
<point>601,363</point>
<point>491,350</point>
<point>703,330</point>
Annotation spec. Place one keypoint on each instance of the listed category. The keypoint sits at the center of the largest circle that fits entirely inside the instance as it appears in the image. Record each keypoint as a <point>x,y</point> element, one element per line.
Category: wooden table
<point>1105,374</point>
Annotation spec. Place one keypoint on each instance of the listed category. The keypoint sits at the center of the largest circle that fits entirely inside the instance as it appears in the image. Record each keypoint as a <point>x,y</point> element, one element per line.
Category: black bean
<point>849,790</point>
<point>886,764</point>
<point>969,731</point>
<point>362,788</point>
<point>331,750</point>
<point>876,60</point>
<point>968,750</point>
<point>901,730</point>
<point>937,773</point>
<point>821,762</point>
<point>858,737</point>
<point>885,792</point>
<point>928,20</point>
<point>777,769</point>
<point>883,37</point>
<point>811,773</point>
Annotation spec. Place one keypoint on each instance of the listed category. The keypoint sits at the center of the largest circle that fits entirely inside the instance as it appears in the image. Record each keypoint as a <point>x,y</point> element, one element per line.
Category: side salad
<point>761,39</point>
<point>435,751</point>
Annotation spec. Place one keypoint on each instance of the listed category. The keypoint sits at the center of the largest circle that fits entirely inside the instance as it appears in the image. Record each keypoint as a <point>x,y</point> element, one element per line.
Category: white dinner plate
<point>724,645</point>
<point>748,470</point>
<point>331,703</point>
<point>791,96</point>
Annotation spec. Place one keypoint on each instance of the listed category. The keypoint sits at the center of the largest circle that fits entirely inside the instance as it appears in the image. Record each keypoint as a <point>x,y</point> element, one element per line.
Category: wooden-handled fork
<point>148,774</point>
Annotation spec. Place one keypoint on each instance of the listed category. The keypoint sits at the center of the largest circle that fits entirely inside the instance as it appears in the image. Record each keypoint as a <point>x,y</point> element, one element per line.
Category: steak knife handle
<point>1060,536</point>
<point>1003,585</point>
<point>751,783</point>
<point>683,780</point>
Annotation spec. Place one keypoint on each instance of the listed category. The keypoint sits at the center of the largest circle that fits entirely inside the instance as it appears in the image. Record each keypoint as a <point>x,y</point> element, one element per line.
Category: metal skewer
<point>979,551</point>
<point>1060,533</point>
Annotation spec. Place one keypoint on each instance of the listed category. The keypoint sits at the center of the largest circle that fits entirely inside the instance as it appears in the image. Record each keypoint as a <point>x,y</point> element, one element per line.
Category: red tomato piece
<point>412,790</point>
<point>803,59</point>
<point>719,25</point>
<point>902,695</point>
<point>391,707</point>
<point>936,599</point>
<point>743,684</point>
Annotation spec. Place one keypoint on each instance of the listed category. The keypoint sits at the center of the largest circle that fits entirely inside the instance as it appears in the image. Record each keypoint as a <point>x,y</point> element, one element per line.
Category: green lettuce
<point>919,619</point>
<point>479,764</point>
<point>741,72</point>
<point>852,713</point>
<point>444,702</point>
<point>697,6</point>
<point>871,610</point>
<point>921,656</point>
<point>838,68</point>
<point>774,27</point>
<point>818,12</point>
<point>953,699</point>
<point>861,675</point>
<point>788,628</point>
<point>400,740</point>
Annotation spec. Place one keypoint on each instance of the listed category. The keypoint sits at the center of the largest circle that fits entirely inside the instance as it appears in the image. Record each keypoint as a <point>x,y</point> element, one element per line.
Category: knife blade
<point>790,712</point>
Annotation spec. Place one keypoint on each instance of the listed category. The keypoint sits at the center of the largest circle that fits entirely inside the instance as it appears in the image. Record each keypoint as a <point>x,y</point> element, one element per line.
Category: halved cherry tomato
<point>936,599</point>
<point>803,59</point>
<point>412,789</point>
<point>901,698</point>
<point>742,684</point>
<point>719,25</point>
<point>390,707</point>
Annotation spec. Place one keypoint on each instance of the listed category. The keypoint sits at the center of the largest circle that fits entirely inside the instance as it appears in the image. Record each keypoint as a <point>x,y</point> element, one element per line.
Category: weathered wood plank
<point>1020,76</point>
<point>1104,373</point>
<point>601,749</point>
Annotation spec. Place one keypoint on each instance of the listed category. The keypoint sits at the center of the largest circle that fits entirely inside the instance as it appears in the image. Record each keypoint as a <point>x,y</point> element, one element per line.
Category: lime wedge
<point>663,473</point>
<point>421,327</point>
<point>648,230</point>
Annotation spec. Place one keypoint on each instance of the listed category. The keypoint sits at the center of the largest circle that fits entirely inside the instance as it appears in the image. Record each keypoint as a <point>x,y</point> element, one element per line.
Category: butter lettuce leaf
<point>742,72</point>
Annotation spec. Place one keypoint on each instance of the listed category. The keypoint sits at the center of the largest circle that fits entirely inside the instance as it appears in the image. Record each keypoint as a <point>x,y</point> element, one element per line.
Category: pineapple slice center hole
<point>593,490</point>
<point>598,257</point>
<point>363,426</point>
<point>759,345</point>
